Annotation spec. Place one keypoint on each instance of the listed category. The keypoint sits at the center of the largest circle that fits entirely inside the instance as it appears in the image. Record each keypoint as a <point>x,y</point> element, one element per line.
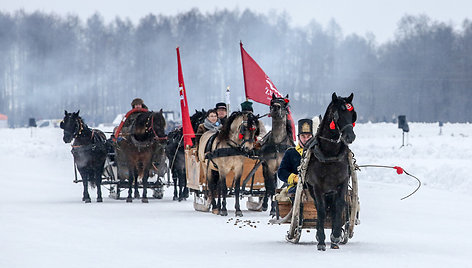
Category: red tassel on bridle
<point>241,136</point>
<point>332,125</point>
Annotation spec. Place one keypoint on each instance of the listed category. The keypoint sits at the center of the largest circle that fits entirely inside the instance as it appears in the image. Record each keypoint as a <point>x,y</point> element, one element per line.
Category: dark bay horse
<point>139,150</point>
<point>327,174</point>
<point>232,144</point>
<point>278,140</point>
<point>89,151</point>
<point>176,154</point>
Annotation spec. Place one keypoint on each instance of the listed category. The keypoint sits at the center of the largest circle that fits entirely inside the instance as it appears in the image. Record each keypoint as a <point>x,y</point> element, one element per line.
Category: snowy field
<point>44,223</point>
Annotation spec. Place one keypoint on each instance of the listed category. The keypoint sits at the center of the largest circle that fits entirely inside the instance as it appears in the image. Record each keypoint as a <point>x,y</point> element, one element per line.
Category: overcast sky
<point>354,16</point>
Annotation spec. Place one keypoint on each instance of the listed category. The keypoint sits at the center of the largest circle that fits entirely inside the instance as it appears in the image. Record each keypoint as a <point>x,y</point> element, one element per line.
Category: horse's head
<point>279,107</point>
<point>342,117</point>
<point>72,126</point>
<point>158,126</point>
<point>242,129</point>
<point>197,118</point>
<point>149,125</point>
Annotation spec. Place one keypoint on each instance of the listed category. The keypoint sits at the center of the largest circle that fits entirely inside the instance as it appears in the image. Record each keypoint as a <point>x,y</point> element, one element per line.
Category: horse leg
<point>136,184</point>
<point>129,199</point>
<point>271,194</point>
<point>174,179</point>
<point>223,190</point>
<point>182,185</point>
<point>145,184</point>
<point>320,204</point>
<point>238,212</point>
<point>265,172</point>
<point>336,218</point>
<point>213,186</point>
<point>84,173</point>
<point>98,182</point>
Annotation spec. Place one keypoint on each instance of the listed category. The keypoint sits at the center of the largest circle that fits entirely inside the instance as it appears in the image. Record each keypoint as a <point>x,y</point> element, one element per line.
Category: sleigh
<point>252,182</point>
<point>299,210</point>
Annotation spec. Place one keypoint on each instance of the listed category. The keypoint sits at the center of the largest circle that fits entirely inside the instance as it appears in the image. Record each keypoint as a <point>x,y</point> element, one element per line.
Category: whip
<point>399,170</point>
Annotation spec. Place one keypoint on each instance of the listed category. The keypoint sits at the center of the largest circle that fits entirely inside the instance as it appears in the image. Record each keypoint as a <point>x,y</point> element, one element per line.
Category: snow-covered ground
<point>44,223</point>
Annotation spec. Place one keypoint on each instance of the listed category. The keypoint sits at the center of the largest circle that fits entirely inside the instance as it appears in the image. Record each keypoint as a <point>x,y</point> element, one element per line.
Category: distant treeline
<point>49,63</point>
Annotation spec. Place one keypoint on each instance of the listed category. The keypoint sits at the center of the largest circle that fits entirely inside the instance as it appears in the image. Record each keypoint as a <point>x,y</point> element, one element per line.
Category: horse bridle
<point>242,128</point>
<point>281,102</point>
<point>340,130</point>
<point>77,129</point>
<point>150,126</point>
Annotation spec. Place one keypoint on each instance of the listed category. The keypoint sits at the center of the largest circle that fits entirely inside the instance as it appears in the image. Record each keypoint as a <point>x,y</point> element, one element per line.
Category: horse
<point>140,150</point>
<point>277,141</point>
<point>231,145</point>
<point>89,152</point>
<point>176,155</point>
<point>327,173</point>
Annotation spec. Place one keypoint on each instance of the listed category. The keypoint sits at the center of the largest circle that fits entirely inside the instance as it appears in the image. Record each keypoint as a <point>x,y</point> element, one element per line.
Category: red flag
<point>258,85</point>
<point>186,124</point>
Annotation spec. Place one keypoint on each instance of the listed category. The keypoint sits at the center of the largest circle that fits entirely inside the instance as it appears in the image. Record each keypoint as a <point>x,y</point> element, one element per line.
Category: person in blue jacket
<point>288,169</point>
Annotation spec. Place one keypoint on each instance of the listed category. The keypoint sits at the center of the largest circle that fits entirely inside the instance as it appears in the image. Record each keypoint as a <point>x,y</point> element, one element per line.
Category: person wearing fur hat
<point>124,128</point>
<point>138,103</point>
<point>288,169</point>
<point>222,112</point>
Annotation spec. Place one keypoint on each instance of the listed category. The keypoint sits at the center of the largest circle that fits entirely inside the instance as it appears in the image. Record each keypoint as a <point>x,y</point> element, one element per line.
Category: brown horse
<point>139,150</point>
<point>228,150</point>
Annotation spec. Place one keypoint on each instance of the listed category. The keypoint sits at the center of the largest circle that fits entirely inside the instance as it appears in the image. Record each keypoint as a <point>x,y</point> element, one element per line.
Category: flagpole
<point>244,72</point>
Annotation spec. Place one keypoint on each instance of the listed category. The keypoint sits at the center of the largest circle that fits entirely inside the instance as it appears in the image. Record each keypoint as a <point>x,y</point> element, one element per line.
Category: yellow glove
<point>292,179</point>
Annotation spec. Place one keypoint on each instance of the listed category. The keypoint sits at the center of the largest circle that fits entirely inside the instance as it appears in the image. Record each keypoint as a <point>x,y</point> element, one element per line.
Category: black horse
<point>89,151</point>
<point>277,141</point>
<point>142,147</point>
<point>327,174</point>
<point>176,155</point>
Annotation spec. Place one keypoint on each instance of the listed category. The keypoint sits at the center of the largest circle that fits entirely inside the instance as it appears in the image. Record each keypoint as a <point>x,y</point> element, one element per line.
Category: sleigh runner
<point>252,182</point>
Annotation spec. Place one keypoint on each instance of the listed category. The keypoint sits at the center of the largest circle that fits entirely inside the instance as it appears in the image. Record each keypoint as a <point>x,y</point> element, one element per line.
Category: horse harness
<point>271,147</point>
<point>97,142</point>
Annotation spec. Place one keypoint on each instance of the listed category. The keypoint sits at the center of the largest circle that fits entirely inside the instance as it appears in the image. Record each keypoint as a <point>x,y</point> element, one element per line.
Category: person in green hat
<point>246,107</point>
<point>288,169</point>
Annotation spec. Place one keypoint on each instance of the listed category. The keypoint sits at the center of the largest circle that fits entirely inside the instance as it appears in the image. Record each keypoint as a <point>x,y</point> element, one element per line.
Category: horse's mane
<point>288,127</point>
<point>252,121</point>
<point>226,129</point>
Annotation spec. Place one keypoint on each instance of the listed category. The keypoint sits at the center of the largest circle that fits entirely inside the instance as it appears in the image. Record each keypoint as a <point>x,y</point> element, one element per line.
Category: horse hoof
<point>215,211</point>
<point>99,200</point>
<point>175,198</point>
<point>322,247</point>
<point>145,200</point>
<point>334,246</point>
<point>264,207</point>
<point>223,213</point>
<point>88,200</point>
<point>129,200</point>
<point>238,213</point>
<point>273,213</point>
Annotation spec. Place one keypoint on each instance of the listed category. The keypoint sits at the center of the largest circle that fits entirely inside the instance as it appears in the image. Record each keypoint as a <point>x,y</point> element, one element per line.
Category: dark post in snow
<point>404,126</point>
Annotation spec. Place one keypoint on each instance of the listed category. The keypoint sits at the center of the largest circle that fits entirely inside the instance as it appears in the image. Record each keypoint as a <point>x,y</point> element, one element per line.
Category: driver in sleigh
<point>137,106</point>
<point>288,169</point>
